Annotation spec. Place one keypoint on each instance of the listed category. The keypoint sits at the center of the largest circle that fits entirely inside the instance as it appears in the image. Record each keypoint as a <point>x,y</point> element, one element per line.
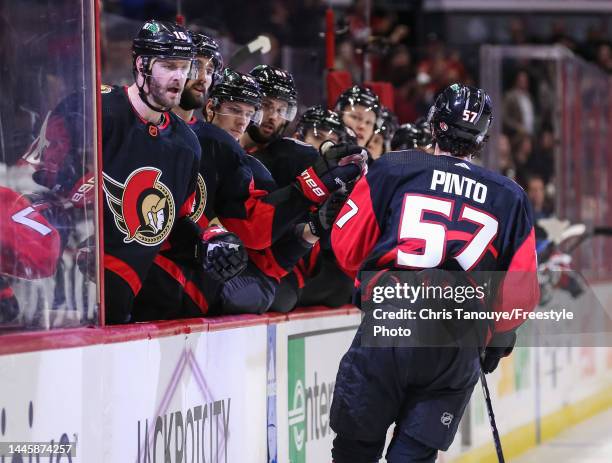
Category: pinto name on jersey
<point>449,182</point>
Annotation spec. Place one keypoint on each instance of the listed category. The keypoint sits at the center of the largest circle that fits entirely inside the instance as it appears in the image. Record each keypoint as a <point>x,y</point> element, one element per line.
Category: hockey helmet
<point>386,124</point>
<point>240,87</point>
<point>278,84</point>
<point>358,96</point>
<point>322,121</point>
<point>412,136</point>
<point>161,39</point>
<point>208,47</point>
<point>460,118</point>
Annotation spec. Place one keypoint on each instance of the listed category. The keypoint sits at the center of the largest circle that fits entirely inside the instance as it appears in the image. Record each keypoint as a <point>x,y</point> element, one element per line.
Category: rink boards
<point>252,389</point>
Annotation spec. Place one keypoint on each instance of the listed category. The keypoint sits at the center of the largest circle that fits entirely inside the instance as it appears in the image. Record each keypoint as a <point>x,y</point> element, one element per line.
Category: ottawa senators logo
<point>200,199</point>
<point>143,207</point>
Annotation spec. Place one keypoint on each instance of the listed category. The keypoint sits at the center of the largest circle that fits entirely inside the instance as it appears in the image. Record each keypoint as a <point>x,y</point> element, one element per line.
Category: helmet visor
<point>284,109</point>
<point>184,67</point>
<point>240,110</point>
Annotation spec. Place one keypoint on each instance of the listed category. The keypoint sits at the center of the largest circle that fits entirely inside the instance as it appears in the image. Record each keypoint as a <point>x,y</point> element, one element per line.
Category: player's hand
<point>221,253</point>
<point>9,307</point>
<point>501,346</point>
<point>321,221</point>
<point>86,258</point>
<point>337,166</point>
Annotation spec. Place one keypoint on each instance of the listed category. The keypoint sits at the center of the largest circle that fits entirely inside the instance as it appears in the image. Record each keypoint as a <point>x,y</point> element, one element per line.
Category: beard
<point>160,95</point>
<point>191,100</point>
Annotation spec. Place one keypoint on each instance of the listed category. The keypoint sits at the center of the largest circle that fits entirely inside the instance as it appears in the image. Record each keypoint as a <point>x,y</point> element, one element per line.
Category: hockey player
<point>150,167</point>
<point>317,125</point>
<point>279,106</point>
<point>30,248</point>
<point>232,106</point>
<point>285,158</point>
<point>359,109</point>
<point>411,136</point>
<point>401,216</point>
<point>386,125</point>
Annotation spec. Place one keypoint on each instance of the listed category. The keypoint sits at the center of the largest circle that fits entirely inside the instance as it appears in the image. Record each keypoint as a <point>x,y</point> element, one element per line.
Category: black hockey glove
<point>9,307</point>
<point>501,346</point>
<point>216,250</point>
<point>337,166</point>
<point>86,258</point>
<point>221,253</point>
<point>321,221</point>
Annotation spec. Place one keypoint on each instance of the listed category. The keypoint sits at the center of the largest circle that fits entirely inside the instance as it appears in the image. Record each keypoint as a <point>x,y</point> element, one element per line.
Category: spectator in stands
<point>519,113</point>
<point>536,192</point>
<point>505,160</point>
<point>541,161</point>
<point>561,37</point>
<point>522,148</point>
<point>440,67</point>
<point>345,59</point>
<point>604,57</point>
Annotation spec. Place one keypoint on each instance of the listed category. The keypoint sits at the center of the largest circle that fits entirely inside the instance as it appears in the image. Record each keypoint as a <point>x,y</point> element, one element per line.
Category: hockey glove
<point>9,307</point>
<point>336,167</point>
<point>221,253</point>
<point>321,221</point>
<point>217,251</point>
<point>86,258</point>
<point>501,346</point>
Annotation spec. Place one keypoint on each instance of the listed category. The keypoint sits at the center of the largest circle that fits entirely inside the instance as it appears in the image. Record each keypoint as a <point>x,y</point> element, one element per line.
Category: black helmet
<point>410,136</point>
<point>317,118</point>
<point>208,47</point>
<point>162,40</point>
<point>236,86</point>
<point>277,83</point>
<point>460,118</point>
<point>386,124</point>
<point>358,95</point>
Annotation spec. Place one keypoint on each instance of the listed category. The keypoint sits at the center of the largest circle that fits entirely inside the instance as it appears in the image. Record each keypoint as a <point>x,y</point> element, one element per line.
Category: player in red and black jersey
<point>30,247</point>
<point>227,190</point>
<point>150,167</point>
<point>233,104</point>
<point>415,211</point>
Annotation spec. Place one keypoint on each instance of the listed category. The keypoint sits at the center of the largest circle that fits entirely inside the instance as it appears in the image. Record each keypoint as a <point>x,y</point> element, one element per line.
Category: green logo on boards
<point>296,372</point>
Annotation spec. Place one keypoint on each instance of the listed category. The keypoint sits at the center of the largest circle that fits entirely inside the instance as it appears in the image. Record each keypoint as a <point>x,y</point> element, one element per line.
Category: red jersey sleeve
<point>519,288</point>
<point>356,230</point>
<point>29,244</point>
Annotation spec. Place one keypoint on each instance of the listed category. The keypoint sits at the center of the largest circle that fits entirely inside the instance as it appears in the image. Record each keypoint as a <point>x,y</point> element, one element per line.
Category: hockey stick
<point>595,231</point>
<point>496,439</point>
<point>260,46</point>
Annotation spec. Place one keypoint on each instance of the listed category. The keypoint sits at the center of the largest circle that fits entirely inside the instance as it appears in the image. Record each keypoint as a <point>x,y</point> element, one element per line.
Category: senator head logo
<point>143,206</point>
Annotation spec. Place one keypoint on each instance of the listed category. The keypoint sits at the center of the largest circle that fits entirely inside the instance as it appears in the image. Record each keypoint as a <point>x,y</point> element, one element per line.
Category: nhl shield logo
<point>446,419</point>
<point>143,206</point>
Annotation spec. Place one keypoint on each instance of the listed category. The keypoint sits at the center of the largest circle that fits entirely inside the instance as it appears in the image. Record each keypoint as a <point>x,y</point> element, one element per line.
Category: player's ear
<point>208,111</point>
<point>139,65</point>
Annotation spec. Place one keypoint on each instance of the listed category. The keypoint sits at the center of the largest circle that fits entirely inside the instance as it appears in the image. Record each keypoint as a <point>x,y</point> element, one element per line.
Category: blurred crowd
<point>416,61</point>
